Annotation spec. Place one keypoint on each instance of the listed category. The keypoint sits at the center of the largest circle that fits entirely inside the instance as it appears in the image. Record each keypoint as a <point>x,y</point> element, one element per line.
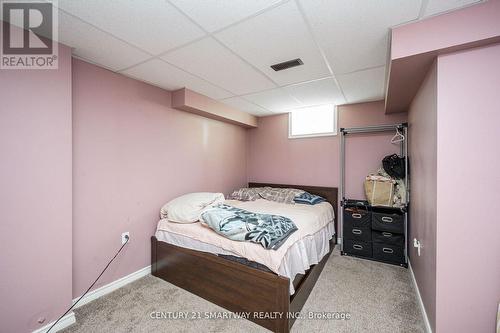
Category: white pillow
<point>189,207</point>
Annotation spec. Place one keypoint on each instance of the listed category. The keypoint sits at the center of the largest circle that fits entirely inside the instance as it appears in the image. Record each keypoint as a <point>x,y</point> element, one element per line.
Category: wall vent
<point>287,64</point>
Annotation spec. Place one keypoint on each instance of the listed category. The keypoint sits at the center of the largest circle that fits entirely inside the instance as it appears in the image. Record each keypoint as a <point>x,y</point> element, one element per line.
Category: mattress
<point>304,248</point>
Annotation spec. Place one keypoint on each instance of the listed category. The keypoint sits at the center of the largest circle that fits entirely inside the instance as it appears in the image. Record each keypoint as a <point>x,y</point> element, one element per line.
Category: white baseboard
<point>99,292</point>
<point>420,302</point>
<point>65,321</point>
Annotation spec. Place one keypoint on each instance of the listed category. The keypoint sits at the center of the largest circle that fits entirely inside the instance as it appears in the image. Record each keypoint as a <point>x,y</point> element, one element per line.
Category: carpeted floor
<point>378,297</point>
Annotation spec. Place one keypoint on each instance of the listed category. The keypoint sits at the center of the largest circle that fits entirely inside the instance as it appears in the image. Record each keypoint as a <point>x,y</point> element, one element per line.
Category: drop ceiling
<point>223,48</point>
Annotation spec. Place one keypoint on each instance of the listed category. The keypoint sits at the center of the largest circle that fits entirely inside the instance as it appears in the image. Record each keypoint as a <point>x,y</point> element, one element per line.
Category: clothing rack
<point>344,132</point>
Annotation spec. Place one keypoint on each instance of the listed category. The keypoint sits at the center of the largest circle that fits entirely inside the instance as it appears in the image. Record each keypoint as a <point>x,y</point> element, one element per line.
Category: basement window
<point>312,121</point>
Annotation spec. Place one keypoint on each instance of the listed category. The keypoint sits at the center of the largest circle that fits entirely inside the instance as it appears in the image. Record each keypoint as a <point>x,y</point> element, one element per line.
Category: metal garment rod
<point>373,129</point>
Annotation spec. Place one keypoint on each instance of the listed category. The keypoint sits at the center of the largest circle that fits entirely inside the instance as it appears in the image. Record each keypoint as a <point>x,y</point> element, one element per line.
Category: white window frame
<point>333,133</point>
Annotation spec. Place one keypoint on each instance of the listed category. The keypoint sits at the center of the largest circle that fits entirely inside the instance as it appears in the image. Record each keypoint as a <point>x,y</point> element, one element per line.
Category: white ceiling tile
<point>362,86</point>
<point>153,25</point>
<point>354,33</point>
<point>246,106</point>
<point>166,76</point>
<point>210,60</point>
<point>275,36</point>
<point>215,14</point>
<point>441,6</point>
<point>317,92</point>
<point>96,46</point>
<point>275,100</point>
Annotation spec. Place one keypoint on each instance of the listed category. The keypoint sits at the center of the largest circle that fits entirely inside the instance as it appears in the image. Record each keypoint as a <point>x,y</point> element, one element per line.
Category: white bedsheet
<point>303,248</point>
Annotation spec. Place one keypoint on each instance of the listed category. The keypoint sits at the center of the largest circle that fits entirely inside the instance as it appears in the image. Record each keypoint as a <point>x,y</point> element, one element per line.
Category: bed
<point>239,285</point>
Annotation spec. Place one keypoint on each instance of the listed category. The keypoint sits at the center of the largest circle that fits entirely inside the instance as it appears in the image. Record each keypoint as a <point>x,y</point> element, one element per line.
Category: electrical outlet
<point>124,237</point>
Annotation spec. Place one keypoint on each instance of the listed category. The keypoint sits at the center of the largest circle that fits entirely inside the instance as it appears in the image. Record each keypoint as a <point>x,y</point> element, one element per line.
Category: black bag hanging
<point>394,166</point>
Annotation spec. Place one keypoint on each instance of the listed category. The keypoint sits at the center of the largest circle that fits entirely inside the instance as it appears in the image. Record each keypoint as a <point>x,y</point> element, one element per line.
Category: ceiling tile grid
<point>213,62</point>
<point>246,106</point>
<point>275,100</point>
<point>223,48</point>
<point>363,86</point>
<point>213,15</point>
<point>441,6</point>
<point>354,33</point>
<point>154,25</point>
<point>96,46</point>
<point>324,91</point>
<point>164,75</point>
<point>275,36</point>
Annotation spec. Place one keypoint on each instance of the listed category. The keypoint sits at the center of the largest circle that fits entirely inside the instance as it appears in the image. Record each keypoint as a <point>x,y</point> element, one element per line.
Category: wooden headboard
<point>329,193</point>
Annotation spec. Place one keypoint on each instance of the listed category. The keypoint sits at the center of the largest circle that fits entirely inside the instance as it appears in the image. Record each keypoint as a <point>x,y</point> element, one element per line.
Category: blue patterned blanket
<point>270,231</point>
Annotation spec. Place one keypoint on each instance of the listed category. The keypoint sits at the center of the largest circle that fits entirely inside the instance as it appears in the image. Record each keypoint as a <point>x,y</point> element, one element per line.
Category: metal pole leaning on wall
<point>407,186</point>
<point>342,176</point>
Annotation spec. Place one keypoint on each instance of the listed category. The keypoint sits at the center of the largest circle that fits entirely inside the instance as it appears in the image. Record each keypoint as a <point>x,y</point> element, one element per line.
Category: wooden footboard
<point>233,286</point>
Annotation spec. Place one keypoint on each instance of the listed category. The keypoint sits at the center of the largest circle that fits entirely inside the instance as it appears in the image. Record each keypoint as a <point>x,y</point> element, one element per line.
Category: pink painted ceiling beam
<point>190,101</point>
<point>414,47</point>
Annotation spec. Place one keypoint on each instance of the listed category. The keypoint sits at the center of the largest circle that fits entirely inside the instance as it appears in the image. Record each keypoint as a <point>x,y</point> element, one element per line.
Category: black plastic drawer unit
<point>388,252</point>
<point>357,233</point>
<point>357,217</point>
<point>386,237</point>
<point>358,248</point>
<point>388,221</point>
<point>376,233</point>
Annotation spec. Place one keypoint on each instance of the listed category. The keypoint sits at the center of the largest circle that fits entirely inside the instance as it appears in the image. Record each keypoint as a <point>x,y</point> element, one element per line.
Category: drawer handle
<point>357,247</point>
<point>387,219</point>
<point>357,231</point>
<point>356,216</point>
<point>387,234</point>
<point>387,250</point>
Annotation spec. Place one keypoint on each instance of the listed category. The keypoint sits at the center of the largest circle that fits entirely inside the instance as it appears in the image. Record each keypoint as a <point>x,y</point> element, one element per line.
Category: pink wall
<point>191,101</point>
<point>447,30</point>
<point>131,154</point>
<point>414,46</point>
<point>422,120</point>
<point>35,195</point>
<point>273,157</point>
<point>468,247</point>
<point>364,152</point>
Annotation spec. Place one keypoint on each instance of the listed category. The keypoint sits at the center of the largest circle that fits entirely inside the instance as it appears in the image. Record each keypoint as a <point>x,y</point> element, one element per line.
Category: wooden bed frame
<point>238,287</point>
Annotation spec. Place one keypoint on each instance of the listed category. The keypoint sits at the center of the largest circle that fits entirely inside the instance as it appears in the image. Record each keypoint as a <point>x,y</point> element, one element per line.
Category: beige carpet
<point>378,297</point>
